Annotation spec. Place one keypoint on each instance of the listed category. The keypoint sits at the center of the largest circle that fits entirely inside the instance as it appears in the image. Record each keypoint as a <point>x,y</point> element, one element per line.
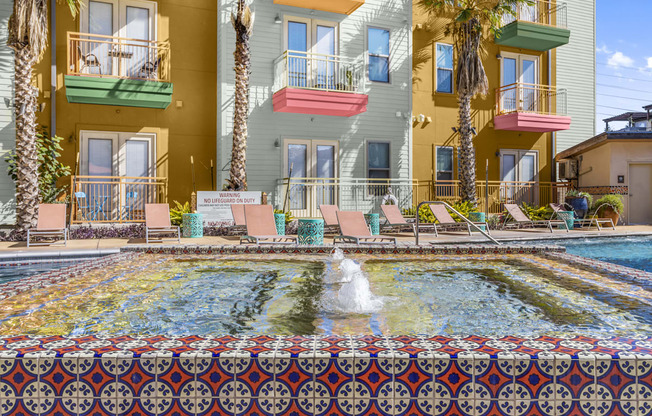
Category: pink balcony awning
<point>324,103</point>
<point>541,123</point>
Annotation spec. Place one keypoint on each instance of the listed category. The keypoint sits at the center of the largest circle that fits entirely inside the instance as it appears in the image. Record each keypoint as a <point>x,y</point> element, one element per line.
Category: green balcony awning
<point>122,92</point>
<point>534,36</point>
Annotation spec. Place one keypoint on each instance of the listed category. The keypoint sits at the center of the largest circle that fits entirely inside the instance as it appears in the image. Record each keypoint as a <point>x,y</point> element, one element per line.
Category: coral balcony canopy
<point>309,83</point>
<point>531,108</point>
<point>540,27</point>
<point>333,6</point>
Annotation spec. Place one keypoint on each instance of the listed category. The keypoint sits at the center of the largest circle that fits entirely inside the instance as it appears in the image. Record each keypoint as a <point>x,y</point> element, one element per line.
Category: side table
<point>193,225</point>
<point>373,221</point>
<point>311,231</point>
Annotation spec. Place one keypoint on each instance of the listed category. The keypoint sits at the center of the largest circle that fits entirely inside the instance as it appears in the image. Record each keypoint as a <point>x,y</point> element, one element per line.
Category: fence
<point>113,57</point>
<point>530,98</point>
<point>303,196</point>
<point>318,72</point>
<point>111,199</point>
<point>540,11</point>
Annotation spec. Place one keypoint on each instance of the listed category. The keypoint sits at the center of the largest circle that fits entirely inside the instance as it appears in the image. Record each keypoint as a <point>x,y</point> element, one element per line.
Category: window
<point>444,68</point>
<point>444,163</point>
<point>304,37</point>
<point>378,160</point>
<point>378,46</point>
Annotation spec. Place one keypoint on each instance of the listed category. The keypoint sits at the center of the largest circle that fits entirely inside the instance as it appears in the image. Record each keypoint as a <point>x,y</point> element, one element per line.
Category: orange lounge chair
<point>157,222</point>
<point>582,221</point>
<point>354,229</point>
<point>519,218</point>
<point>237,210</point>
<point>394,218</point>
<point>261,227</point>
<point>446,221</point>
<point>51,224</point>
<point>329,212</point>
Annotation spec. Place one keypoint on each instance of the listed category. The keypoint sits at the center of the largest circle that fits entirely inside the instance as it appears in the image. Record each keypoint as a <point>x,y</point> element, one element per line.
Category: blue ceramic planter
<point>580,205</point>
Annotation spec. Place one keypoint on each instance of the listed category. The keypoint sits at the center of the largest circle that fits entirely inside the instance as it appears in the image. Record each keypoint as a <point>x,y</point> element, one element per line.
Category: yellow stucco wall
<point>190,28</point>
<point>443,108</point>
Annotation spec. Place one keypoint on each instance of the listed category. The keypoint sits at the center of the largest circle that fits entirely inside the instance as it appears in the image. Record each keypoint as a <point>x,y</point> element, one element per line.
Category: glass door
<point>312,47</point>
<point>519,170</point>
<point>521,70</point>
<point>325,60</point>
<point>298,44</point>
<point>139,58</point>
<point>93,52</point>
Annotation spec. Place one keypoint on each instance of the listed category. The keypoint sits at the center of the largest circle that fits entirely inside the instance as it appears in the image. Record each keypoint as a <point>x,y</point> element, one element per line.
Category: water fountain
<point>355,294</point>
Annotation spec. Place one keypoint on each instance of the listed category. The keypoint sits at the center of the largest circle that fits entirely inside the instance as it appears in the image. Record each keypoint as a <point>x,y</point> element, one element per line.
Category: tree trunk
<point>27,190</point>
<point>467,152</point>
<point>242,54</point>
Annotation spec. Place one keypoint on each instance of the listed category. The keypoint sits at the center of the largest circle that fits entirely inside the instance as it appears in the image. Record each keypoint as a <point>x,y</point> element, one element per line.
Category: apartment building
<point>517,122</point>
<point>330,101</point>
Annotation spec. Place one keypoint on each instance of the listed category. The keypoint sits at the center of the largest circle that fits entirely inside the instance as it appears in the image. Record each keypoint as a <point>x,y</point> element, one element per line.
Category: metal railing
<point>114,199</point>
<point>303,196</point>
<point>530,98</point>
<point>549,13</point>
<point>92,55</point>
<point>320,72</point>
<point>454,211</point>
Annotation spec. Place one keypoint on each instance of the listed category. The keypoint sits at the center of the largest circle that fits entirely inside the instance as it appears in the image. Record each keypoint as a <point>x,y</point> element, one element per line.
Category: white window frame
<point>311,32</point>
<point>518,154</point>
<point>452,171</point>
<point>119,156</point>
<point>519,57</point>
<point>446,69</point>
<point>366,157</point>
<point>120,16</point>
<point>368,54</point>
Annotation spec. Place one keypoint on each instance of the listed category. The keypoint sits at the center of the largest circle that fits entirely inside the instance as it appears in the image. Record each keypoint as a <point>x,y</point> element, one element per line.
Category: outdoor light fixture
<point>422,118</point>
<point>474,131</point>
<point>278,19</point>
<point>277,143</point>
<point>454,129</point>
<point>399,114</point>
<point>428,119</point>
<point>499,56</point>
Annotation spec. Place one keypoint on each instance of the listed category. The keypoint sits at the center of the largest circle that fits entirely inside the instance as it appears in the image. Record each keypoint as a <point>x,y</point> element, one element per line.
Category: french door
<point>312,46</point>
<point>311,166</point>
<point>132,20</point>
<point>519,172</point>
<point>118,167</point>
<point>523,70</point>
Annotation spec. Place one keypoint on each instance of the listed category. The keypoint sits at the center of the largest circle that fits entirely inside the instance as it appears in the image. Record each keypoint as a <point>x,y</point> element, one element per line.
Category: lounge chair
<point>394,218</point>
<point>520,218</point>
<point>51,224</point>
<point>329,212</point>
<point>446,221</point>
<point>354,229</point>
<point>237,210</point>
<point>261,227</point>
<point>157,222</point>
<point>583,221</point>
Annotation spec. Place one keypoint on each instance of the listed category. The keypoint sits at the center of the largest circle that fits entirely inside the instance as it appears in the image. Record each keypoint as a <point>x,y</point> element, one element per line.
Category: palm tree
<point>243,23</point>
<point>28,37</point>
<point>474,22</point>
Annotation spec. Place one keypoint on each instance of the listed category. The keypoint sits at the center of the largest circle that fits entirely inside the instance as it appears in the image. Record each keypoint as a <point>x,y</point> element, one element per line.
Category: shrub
<point>288,215</point>
<point>176,213</point>
<point>464,208</point>
<point>613,200</point>
<point>537,213</point>
<point>426,216</point>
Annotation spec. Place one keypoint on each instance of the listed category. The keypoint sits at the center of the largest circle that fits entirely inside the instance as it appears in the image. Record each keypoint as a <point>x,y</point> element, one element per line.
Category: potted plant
<point>579,201</point>
<point>610,206</point>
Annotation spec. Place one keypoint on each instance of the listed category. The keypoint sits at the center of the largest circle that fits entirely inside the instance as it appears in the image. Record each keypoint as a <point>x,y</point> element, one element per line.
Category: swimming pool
<point>364,294</point>
<point>635,252</point>
<point>12,271</point>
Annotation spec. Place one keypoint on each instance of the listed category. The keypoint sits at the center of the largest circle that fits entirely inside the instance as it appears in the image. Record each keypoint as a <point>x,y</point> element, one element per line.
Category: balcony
<point>310,83</point>
<point>540,27</point>
<point>109,70</point>
<point>333,6</point>
<point>531,107</point>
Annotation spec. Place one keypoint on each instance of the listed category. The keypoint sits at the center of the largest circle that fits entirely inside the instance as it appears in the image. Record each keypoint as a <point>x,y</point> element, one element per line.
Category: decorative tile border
<point>347,249</point>
<point>601,266</point>
<point>456,375</point>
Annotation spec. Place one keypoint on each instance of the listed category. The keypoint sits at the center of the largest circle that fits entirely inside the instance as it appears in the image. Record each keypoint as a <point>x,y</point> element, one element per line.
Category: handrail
<point>469,222</point>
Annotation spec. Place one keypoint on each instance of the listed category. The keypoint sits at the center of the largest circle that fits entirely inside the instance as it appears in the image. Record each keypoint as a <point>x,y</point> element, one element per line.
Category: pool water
<point>12,273</point>
<point>152,294</point>
<point>635,252</point>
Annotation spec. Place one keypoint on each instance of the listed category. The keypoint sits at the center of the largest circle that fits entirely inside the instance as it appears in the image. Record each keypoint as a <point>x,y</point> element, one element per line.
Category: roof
<point>647,107</point>
<point>634,115</point>
<point>601,138</point>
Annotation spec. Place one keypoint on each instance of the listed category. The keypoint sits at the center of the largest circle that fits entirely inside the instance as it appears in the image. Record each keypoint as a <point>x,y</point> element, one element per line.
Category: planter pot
<point>580,205</point>
<point>608,212</point>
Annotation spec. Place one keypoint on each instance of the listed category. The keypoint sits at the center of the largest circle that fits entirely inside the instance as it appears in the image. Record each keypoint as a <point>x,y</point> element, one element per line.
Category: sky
<point>623,58</point>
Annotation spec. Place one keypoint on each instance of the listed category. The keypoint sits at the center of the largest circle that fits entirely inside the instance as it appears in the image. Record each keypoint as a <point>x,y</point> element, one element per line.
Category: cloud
<point>649,62</point>
<point>620,59</point>
<point>603,49</point>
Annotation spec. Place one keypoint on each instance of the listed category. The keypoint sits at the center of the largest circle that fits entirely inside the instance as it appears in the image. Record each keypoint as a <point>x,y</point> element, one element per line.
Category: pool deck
<point>106,246</point>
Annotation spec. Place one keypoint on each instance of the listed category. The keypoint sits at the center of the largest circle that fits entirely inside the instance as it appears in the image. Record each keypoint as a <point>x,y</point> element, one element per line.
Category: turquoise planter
<point>478,217</point>
<point>569,217</point>
<point>373,221</point>
<point>311,231</point>
<point>280,223</point>
<point>193,225</point>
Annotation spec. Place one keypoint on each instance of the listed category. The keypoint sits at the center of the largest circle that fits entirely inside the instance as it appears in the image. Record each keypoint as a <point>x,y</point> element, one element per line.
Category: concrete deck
<point>12,249</point>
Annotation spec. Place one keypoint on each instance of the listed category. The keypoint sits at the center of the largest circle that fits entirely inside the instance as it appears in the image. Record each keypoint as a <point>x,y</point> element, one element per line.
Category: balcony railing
<point>549,13</point>
<point>304,195</point>
<point>318,72</point>
<point>530,98</point>
<point>114,199</point>
<point>92,55</point>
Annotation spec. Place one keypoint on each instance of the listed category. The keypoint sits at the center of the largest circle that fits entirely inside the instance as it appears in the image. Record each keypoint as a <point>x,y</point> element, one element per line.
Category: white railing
<point>318,72</point>
<point>530,98</point>
<point>549,13</point>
